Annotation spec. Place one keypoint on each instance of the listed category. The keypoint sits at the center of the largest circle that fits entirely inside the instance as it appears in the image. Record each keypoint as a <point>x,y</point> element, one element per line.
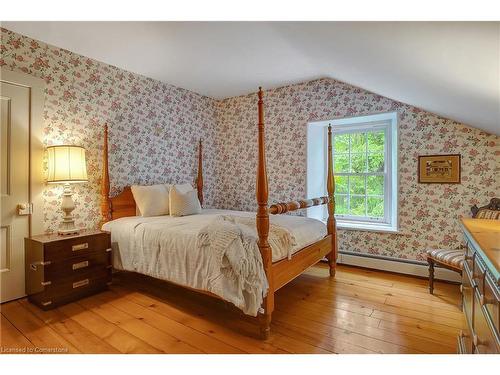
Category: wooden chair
<point>454,259</point>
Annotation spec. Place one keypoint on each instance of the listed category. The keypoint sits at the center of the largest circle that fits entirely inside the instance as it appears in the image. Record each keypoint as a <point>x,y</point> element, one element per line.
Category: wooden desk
<point>481,287</point>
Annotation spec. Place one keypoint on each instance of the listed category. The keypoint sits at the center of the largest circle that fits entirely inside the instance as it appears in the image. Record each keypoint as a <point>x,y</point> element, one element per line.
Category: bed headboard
<point>123,204</point>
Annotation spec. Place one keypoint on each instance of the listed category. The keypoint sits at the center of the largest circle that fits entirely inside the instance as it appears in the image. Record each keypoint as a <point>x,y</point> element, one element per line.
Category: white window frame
<point>317,162</point>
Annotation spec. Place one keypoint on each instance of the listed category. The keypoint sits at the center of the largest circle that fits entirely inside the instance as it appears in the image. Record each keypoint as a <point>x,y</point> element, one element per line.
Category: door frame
<point>36,87</point>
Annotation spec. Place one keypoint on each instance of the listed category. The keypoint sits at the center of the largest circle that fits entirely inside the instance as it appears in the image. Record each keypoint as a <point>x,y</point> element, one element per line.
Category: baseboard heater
<point>404,266</point>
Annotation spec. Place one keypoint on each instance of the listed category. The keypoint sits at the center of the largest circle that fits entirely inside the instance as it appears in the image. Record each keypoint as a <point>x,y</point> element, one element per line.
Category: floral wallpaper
<point>428,213</point>
<point>154,127</point>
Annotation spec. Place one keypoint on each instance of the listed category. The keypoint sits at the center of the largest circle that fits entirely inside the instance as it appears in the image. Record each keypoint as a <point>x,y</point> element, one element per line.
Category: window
<point>365,169</point>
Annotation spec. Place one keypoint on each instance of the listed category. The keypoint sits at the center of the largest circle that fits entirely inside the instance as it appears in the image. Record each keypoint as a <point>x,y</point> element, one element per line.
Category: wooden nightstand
<point>61,269</point>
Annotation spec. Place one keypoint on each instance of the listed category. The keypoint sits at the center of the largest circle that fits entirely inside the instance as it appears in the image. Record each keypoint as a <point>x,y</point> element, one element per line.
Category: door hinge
<point>24,209</point>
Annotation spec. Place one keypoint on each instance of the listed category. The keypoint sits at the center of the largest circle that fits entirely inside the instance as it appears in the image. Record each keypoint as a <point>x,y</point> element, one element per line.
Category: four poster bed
<point>277,271</point>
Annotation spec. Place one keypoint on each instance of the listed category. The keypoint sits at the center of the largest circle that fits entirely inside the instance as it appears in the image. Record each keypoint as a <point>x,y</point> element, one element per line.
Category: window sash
<point>387,174</point>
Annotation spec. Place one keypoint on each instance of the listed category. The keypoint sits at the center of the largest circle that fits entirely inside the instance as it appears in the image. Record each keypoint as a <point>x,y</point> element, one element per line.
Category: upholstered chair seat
<point>450,258</point>
<point>488,214</point>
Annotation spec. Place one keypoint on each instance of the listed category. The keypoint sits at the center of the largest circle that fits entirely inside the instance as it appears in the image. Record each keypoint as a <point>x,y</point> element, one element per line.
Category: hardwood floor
<point>360,311</point>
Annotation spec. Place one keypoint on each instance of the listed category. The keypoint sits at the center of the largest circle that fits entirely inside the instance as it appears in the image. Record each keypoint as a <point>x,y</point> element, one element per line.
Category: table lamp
<point>66,166</point>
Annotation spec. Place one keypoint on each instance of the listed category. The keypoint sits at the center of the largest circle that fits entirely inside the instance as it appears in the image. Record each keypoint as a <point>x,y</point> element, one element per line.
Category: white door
<point>14,189</point>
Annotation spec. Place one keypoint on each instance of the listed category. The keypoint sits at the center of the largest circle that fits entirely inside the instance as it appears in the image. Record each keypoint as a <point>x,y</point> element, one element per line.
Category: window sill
<point>380,228</point>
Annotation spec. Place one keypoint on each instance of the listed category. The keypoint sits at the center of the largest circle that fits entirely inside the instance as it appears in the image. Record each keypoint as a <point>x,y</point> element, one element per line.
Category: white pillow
<point>151,200</point>
<point>183,204</point>
<point>184,188</point>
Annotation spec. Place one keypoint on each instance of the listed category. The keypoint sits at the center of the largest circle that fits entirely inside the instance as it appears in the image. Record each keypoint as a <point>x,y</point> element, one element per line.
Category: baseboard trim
<point>403,266</point>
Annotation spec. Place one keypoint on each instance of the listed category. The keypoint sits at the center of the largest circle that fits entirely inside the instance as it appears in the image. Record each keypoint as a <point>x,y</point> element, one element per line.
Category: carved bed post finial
<point>199,179</point>
<point>330,224</point>
<point>105,203</point>
<point>262,221</point>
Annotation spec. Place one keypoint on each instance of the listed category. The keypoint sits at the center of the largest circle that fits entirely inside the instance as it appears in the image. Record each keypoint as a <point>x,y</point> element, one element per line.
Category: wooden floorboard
<point>12,341</point>
<point>72,331</point>
<point>40,334</point>
<point>360,311</point>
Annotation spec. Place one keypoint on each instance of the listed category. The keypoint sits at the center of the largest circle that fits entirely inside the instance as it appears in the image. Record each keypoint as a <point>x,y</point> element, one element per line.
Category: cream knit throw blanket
<point>231,243</point>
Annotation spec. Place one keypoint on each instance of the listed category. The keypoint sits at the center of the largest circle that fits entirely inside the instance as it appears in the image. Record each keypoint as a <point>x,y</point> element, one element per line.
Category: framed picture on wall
<point>439,169</point>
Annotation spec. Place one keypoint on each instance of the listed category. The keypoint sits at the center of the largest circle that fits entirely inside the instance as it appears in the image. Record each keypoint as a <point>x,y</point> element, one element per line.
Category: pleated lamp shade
<point>66,164</point>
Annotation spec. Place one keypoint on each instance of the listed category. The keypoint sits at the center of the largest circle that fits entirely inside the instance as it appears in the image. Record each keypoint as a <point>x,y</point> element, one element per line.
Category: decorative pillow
<point>151,200</point>
<point>488,214</point>
<point>183,204</point>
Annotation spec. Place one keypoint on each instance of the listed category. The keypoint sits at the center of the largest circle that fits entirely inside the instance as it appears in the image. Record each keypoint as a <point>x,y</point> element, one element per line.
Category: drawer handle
<point>46,303</point>
<point>81,283</point>
<point>478,277</point>
<point>109,250</point>
<point>109,267</point>
<point>475,339</point>
<point>81,246</point>
<point>486,301</point>
<point>77,266</point>
<point>45,283</point>
<point>34,266</point>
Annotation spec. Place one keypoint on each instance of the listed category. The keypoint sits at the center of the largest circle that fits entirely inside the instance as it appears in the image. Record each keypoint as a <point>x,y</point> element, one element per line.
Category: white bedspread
<point>166,247</point>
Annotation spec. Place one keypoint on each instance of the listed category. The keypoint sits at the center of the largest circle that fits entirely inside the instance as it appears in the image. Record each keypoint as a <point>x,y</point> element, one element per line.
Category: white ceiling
<point>449,68</point>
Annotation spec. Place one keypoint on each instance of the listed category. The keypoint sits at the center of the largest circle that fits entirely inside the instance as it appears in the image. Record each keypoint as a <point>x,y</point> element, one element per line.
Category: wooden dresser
<point>61,269</point>
<point>481,287</point>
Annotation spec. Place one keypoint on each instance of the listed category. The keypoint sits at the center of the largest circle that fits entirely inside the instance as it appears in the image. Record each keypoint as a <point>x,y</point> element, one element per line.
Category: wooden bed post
<point>262,222</point>
<point>199,179</point>
<point>105,204</point>
<point>330,224</point>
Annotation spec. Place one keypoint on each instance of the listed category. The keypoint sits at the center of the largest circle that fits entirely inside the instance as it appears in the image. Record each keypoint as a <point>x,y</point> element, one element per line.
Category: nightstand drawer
<point>76,265</point>
<point>70,290</point>
<point>62,286</point>
<point>81,246</point>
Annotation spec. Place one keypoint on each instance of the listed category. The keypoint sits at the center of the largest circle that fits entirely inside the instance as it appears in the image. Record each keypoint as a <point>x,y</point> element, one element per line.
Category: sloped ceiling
<point>449,68</point>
